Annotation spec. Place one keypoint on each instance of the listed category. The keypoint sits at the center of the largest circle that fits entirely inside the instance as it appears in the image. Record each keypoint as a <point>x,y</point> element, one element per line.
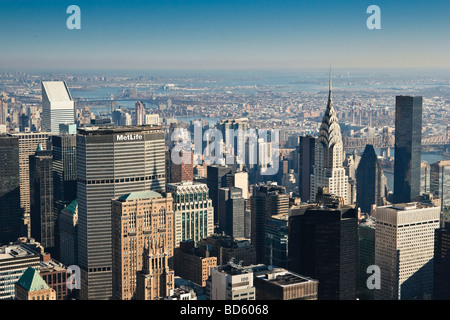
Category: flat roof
<point>120,129</point>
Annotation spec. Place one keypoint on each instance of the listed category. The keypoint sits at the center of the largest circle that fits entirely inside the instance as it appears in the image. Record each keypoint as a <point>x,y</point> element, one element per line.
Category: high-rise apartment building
<point>42,215</point>
<point>328,170</point>
<point>267,200</point>
<point>193,211</point>
<point>370,188</point>
<point>28,143</point>
<point>323,245</point>
<point>404,250</point>
<point>57,106</point>
<point>408,148</point>
<point>11,217</point>
<point>138,219</point>
<point>111,162</point>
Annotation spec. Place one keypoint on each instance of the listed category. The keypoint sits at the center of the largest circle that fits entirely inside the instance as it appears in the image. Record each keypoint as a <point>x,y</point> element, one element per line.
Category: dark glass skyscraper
<point>369,180</point>
<point>408,148</point>
<point>10,212</point>
<point>217,178</point>
<point>306,152</point>
<point>323,244</point>
<point>41,198</point>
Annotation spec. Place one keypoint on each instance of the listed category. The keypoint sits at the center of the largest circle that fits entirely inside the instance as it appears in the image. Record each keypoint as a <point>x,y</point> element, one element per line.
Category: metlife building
<point>111,162</point>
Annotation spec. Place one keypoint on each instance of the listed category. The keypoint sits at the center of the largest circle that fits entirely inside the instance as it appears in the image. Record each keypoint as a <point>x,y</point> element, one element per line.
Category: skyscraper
<point>217,178</point>
<point>139,113</point>
<point>267,200</point>
<point>57,106</point>
<point>404,250</point>
<point>111,162</point>
<point>64,177</point>
<point>193,209</point>
<point>369,181</point>
<point>328,170</point>
<point>323,244</point>
<point>231,215</point>
<point>440,182</point>
<point>408,148</point>
<point>139,220</point>
<point>306,157</point>
<point>41,198</point>
<point>11,217</point>
<point>441,275</point>
<point>28,143</point>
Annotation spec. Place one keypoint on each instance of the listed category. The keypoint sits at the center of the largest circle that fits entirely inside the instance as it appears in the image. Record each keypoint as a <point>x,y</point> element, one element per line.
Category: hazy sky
<point>231,34</point>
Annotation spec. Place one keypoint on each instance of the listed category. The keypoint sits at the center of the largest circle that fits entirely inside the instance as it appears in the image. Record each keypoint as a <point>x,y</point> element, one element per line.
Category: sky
<point>223,35</point>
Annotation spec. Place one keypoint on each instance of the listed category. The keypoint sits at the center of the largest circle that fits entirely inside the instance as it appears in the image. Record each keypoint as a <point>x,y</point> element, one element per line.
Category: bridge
<point>387,140</point>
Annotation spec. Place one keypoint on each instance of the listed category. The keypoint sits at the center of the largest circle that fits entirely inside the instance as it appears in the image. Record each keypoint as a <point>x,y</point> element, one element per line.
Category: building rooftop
<point>283,277</point>
<point>72,207</point>
<point>56,91</point>
<point>140,195</point>
<point>94,130</point>
<point>32,281</point>
<point>15,251</point>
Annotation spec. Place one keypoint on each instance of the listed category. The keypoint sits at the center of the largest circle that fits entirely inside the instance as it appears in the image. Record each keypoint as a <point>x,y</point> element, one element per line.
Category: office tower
<point>408,148</point>
<point>67,128</point>
<point>10,212</point>
<point>156,280</point>
<point>281,284</point>
<point>57,106</point>
<point>267,200</point>
<point>225,248</point>
<point>440,183</point>
<point>276,238</point>
<point>111,162</point>
<point>64,176</point>
<point>31,286</point>
<point>404,250</point>
<point>14,260</point>
<point>139,113</point>
<point>424,177</point>
<point>230,282</point>
<point>28,143</point>
<point>193,211</point>
<point>193,264</point>
<point>138,219</point>
<point>183,171</point>
<point>216,178</point>
<point>231,211</point>
<point>68,240</point>
<point>366,257</point>
<point>323,245</point>
<point>441,274</point>
<point>42,215</point>
<point>369,181</point>
<point>328,170</point>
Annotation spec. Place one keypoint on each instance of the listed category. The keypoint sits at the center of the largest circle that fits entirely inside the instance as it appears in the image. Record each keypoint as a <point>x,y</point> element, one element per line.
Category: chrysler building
<point>328,169</point>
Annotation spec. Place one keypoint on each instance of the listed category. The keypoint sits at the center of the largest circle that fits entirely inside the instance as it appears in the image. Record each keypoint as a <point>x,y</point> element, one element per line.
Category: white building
<point>57,106</point>
<point>231,282</point>
<point>404,250</point>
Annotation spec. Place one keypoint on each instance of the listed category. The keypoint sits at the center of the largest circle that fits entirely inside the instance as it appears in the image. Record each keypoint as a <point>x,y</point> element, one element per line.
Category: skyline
<point>215,35</point>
